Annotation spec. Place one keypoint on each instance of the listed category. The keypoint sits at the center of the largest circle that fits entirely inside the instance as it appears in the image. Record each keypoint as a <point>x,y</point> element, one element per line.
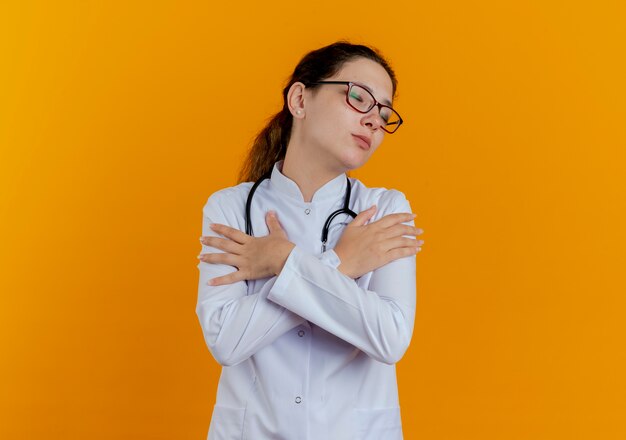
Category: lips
<point>364,141</point>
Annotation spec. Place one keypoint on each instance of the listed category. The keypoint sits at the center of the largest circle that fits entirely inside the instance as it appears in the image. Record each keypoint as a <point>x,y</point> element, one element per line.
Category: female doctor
<point>309,309</point>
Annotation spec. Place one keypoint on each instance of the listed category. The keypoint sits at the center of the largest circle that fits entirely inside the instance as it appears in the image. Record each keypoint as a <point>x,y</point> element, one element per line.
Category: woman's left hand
<point>255,257</point>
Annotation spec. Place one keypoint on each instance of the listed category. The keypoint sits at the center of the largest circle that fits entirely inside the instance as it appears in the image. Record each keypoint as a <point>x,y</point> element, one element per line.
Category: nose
<point>372,119</point>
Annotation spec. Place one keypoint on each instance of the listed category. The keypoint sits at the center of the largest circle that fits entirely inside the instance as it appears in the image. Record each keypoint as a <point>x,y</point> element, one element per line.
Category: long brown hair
<point>270,145</point>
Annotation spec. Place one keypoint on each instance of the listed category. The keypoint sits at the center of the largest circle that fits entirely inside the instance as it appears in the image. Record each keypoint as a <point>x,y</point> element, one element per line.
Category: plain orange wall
<point>119,119</point>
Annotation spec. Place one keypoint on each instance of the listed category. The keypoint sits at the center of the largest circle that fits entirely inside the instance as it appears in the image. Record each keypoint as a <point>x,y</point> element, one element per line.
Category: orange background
<point>119,119</point>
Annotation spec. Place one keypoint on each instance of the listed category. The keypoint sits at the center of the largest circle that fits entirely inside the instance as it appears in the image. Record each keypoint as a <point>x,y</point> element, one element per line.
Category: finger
<point>398,253</point>
<point>219,258</point>
<point>226,279</point>
<point>232,233</point>
<point>223,244</point>
<point>272,222</point>
<point>393,219</point>
<point>363,216</point>
<point>399,230</point>
<point>401,242</point>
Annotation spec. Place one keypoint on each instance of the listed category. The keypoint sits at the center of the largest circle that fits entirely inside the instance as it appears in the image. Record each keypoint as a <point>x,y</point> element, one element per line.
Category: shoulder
<point>228,205</point>
<point>387,200</point>
<point>231,194</point>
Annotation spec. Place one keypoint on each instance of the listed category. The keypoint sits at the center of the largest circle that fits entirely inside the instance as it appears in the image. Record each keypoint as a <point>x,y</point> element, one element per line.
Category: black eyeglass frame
<point>350,84</point>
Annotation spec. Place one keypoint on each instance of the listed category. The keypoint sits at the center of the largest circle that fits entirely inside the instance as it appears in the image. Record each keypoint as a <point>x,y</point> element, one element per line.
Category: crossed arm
<point>378,319</point>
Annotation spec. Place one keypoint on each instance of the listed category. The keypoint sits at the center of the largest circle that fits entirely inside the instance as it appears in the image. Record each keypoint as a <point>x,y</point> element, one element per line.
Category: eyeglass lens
<point>363,101</point>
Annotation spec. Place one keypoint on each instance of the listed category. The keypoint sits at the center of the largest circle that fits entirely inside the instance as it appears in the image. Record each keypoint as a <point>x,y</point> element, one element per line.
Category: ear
<point>295,100</point>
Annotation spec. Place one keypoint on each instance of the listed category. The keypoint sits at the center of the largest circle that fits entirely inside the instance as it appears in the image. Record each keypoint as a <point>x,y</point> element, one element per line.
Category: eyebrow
<point>384,101</point>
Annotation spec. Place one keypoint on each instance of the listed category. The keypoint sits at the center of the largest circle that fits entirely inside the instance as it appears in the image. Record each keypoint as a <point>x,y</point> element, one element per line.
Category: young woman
<point>310,308</point>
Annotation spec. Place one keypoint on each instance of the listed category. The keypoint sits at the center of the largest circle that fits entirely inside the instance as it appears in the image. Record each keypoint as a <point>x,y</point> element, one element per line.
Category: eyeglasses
<point>362,100</point>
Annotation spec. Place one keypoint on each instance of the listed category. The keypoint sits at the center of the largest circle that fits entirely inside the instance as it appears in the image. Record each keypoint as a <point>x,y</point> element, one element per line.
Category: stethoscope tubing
<point>345,210</point>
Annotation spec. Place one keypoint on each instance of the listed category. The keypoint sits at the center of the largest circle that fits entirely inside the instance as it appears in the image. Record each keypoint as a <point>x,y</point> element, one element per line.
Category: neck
<point>309,173</point>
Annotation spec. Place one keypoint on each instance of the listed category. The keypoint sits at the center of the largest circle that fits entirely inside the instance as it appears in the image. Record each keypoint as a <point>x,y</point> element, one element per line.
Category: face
<point>331,127</point>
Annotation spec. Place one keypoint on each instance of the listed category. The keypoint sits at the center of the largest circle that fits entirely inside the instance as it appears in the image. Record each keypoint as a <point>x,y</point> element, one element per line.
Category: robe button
<point>307,211</point>
<point>301,333</point>
<point>298,399</point>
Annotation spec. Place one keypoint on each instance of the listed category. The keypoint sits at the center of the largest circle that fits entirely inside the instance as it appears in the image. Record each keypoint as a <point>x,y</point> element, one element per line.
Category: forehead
<point>370,74</point>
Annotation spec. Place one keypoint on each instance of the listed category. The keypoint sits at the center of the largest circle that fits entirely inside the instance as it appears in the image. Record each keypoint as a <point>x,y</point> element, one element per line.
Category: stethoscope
<point>345,210</point>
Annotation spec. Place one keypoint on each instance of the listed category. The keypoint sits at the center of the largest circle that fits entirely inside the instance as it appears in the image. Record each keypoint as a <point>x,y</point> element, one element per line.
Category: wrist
<point>283,251</point>
<point>342,267</point>
<point>344,270</point>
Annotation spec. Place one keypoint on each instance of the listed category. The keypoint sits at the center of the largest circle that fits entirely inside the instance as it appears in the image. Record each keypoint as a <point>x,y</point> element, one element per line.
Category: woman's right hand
<point>363,248</point>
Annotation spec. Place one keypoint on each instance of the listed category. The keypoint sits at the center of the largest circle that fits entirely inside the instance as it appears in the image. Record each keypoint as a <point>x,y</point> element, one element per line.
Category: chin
<point>353,161</point>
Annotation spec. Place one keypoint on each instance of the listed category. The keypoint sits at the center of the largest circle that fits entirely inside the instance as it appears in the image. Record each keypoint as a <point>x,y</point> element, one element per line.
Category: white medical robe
<point>310,353</point>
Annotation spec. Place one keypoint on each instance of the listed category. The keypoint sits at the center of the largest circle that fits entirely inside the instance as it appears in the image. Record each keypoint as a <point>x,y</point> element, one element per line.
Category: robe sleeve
<point>378,319</point>
<point>235,324</point>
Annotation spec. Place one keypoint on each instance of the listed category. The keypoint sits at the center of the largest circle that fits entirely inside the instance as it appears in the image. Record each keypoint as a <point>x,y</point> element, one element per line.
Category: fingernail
<point>199,257</point>
<point>210,282</point>
<point>414,215</point>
